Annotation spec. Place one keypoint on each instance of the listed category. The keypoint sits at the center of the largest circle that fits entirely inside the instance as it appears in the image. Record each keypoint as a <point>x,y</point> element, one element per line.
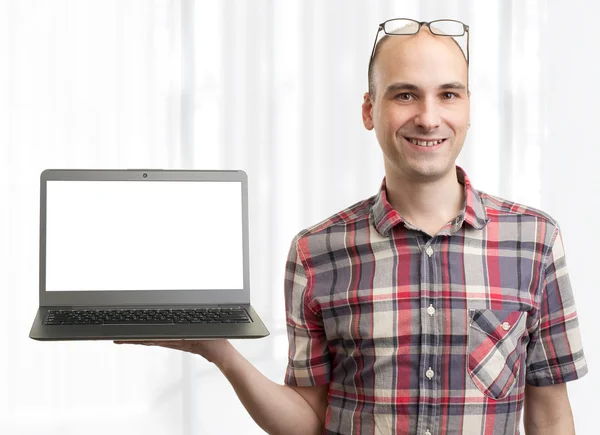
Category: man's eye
<point>449,95</point>
<point>405,96</point>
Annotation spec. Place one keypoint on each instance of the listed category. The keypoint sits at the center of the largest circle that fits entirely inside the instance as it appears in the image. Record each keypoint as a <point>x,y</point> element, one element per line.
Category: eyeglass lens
<point>409,27</point>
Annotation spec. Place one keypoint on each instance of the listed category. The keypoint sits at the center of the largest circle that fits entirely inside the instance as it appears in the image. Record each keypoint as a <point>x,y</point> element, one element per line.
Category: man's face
<point>420,98</point>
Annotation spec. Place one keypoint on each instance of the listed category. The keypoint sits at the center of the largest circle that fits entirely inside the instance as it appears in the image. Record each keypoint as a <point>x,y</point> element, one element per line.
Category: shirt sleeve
<point>309,361</point>
<point>555,352</point>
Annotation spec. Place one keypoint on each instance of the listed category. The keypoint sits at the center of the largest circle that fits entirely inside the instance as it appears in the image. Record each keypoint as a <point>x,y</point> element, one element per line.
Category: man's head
<point>418,92</point>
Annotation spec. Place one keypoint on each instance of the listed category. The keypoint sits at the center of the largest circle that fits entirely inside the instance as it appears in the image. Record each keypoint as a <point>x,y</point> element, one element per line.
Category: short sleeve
<point>555,352</point>
<point>309,361</point>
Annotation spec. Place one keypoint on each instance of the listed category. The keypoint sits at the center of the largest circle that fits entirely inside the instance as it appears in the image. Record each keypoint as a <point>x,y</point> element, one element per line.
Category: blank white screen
<point>143,235</point>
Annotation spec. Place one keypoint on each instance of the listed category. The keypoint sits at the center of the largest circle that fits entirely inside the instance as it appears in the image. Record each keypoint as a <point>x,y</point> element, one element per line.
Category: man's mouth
<point>424,142</point>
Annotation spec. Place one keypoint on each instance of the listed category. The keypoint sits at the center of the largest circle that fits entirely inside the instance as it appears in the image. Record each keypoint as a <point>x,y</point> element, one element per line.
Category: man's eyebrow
<point>401,86</point>
<point>454,85</point>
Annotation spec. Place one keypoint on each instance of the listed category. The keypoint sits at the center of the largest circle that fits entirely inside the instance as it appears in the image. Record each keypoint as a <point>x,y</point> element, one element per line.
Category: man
<point>430,308</point>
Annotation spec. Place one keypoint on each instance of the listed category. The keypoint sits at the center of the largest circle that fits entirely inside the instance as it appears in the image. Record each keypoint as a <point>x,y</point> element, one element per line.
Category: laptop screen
<point>144,235</point>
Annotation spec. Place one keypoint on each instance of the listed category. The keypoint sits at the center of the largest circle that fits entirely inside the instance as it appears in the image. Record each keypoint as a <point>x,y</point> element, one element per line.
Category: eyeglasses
<point>406,26</point>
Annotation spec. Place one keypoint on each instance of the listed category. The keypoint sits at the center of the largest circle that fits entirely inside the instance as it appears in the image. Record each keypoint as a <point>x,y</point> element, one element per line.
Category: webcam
<point>145,175</point>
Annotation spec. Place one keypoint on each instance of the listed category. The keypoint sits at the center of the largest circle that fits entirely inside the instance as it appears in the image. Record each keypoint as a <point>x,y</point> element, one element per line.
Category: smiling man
<point>430,308</point>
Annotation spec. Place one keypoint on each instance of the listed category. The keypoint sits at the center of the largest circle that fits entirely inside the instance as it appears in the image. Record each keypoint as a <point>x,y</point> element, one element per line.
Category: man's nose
<point>428,117</point>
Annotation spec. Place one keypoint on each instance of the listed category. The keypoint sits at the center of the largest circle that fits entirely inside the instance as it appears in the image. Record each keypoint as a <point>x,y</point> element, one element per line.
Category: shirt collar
<point>384,217</point>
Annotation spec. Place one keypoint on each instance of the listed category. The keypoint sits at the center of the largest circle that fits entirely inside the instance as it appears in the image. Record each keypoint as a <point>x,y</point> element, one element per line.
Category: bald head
<point>403,48</point>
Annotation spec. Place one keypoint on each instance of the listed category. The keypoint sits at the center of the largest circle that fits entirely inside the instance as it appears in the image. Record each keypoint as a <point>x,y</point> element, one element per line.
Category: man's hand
<point>214,351</point>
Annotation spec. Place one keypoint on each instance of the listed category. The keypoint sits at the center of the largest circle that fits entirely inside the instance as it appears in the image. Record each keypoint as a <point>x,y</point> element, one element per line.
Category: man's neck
<point>428,205</point>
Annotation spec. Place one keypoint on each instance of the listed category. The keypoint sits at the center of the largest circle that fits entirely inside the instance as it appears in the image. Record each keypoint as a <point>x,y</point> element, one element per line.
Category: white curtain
<point>267,86</point>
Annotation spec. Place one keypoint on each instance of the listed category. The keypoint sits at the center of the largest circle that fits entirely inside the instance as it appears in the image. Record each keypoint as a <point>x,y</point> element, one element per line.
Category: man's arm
<point>277,409</point>
<point>548,411</point>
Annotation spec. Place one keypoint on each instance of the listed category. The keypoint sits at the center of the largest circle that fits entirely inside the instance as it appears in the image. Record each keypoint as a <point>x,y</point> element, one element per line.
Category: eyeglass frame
<point>420,24</point>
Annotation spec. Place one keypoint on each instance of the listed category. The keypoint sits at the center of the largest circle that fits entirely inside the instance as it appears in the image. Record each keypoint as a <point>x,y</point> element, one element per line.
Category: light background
<point>273,88</point>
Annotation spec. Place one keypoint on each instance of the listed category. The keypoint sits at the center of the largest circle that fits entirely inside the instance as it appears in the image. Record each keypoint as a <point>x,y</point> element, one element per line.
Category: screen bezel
<point>142,297</point>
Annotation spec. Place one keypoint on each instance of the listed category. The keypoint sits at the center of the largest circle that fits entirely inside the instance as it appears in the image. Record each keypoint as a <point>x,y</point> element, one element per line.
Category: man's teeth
<point>424,143</point>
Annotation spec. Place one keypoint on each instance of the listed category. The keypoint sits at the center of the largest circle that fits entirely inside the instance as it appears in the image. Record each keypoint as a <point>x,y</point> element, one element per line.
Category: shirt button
<point>431,310</point>
<point>506,326</point>
<point>429,251</point>
<point>429,373</point>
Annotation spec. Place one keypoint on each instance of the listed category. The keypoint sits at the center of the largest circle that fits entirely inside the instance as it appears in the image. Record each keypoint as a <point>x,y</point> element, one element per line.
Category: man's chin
<point>430,171</point>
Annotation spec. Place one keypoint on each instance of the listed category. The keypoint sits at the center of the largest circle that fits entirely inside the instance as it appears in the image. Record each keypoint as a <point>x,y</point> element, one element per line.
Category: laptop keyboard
<point>146,316</point>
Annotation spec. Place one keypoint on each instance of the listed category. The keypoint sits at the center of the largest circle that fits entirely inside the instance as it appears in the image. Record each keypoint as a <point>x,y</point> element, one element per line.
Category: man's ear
<point>367,107</point>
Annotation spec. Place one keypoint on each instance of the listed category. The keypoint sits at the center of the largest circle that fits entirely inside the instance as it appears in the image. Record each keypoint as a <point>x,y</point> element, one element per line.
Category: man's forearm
<point>562,426</point>
<point>548,410</point>
<point>277,409</point>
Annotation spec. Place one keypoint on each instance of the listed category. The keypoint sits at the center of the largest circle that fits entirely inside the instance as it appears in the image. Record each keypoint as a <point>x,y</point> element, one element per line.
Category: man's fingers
<point>182,345</point>
<point>173,344</point>
<point>145,343</point>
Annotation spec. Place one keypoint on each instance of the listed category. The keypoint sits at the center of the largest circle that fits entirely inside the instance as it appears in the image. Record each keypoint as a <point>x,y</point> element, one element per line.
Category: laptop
<point>144,254</point>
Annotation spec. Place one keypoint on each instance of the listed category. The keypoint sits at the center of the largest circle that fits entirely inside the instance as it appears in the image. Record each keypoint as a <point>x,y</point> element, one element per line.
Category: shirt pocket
<point>494,349</point>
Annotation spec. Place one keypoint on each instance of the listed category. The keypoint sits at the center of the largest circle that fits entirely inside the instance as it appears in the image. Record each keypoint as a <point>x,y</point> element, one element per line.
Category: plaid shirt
<point>430,335</point>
